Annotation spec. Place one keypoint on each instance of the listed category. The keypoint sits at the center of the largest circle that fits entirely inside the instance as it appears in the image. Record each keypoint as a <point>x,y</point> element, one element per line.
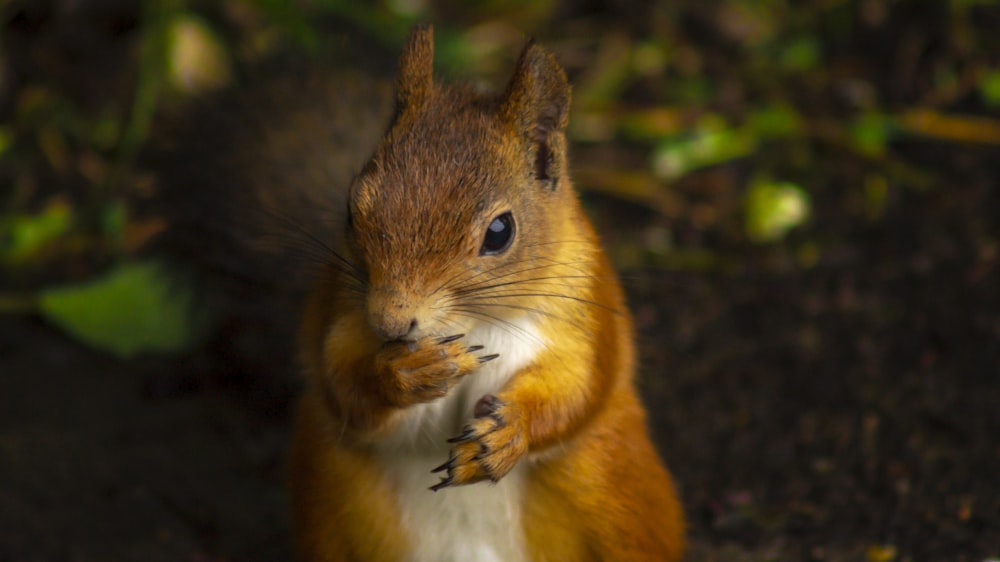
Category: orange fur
<point>388,342</point>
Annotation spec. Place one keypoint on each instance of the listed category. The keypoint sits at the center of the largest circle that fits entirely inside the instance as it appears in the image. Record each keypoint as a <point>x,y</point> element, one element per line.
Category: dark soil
<point>843,408</point>
<point>95,469</point>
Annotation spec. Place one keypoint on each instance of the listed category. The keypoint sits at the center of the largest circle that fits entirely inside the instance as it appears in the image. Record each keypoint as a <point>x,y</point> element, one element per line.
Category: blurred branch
<point>152,70</point>
<point>14,303</point>
<point>956,128</point>
<point>638,187</point>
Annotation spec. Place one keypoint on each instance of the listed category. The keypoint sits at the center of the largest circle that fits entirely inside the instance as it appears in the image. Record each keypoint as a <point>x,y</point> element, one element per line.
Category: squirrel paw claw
<point>488,448</point>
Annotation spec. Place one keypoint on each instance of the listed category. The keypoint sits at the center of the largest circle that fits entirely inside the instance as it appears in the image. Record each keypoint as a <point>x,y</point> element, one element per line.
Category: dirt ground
<point>94,469</point>
<point>844,407</point>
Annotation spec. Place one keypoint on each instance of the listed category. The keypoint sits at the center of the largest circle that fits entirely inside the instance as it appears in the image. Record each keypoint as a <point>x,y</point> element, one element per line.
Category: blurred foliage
<point>681,108</point>
<point>27,236</point>
<point>197,60</point>
<point>126,311</point>
<point>773,209</point>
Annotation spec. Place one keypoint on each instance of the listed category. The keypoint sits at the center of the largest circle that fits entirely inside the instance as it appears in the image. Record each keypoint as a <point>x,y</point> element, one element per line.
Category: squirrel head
<point>465,197</point>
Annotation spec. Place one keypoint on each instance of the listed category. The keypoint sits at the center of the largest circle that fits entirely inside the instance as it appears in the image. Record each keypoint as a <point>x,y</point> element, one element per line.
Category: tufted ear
<point>537,104</point>
<point>415,76</point>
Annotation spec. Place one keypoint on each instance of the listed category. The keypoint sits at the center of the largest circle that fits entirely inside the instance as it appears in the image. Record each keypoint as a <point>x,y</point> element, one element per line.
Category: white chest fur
<point>479,522</point>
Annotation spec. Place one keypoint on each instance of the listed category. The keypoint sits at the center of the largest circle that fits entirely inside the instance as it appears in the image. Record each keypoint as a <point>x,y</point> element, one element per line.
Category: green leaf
<point>989,88</point>
<point>870,134</point>
<point>710,144</point>
<point>22,237</point>
<point>775,121</point>
<point>134,308</point>
<point>801,54</point>
<point>772,209</point>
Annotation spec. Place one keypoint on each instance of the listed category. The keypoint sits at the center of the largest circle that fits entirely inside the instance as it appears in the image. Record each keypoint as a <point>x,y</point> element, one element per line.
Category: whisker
<point>553,295</point>
<point>552,242</point>
<point>575,265</point>
<point>545,313</point>
<point>499,323</point>
<point>454,280</point>
<point>511,273</point>
<point>319,243</point>
<point>529,281</point>
<point>451,325</point>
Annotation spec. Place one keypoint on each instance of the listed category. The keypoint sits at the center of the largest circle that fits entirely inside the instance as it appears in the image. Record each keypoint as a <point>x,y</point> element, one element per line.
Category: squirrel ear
<point>537,103</point>
<point>415,77</point>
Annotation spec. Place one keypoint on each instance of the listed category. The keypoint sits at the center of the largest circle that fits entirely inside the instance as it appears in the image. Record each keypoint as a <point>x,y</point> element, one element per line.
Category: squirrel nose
<point>394,328</point>
<point>390,315</point>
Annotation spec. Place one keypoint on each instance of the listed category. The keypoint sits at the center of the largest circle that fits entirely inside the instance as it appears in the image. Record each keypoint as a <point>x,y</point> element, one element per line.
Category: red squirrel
<point>468,354</point>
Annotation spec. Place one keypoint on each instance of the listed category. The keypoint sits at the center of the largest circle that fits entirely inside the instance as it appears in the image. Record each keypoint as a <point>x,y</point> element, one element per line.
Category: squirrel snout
<point>390,316</point>
<point>391,329</point>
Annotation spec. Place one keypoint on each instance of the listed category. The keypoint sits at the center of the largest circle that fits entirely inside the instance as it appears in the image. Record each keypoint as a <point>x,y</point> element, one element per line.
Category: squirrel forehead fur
<point>439,154</point>
<point>452,152</point>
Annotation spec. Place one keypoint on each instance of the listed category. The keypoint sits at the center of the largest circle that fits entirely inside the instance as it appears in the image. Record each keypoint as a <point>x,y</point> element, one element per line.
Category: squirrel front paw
<point>426,369</point>
<point>488,447</point>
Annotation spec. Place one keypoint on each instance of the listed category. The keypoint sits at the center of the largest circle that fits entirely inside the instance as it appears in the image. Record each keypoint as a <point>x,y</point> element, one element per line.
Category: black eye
<point>499,235</point>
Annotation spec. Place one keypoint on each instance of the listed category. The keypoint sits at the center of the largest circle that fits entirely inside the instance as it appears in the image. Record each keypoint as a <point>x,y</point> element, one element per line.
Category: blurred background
<point>801,197</point>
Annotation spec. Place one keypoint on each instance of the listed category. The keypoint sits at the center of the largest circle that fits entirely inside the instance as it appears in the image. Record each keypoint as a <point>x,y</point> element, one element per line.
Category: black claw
<point>465,436</point>
<point>444,483</point>
<point>449,339</point>
<point>486,358</point>
<point>446,466</point>
<point>473,349</point>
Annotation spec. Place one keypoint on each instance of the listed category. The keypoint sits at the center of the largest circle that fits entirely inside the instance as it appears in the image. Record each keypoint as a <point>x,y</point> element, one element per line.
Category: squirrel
<point>469,388</point>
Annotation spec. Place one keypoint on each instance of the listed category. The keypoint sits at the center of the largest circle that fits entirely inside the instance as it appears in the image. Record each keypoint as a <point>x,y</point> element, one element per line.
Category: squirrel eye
<point>499,235</point>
